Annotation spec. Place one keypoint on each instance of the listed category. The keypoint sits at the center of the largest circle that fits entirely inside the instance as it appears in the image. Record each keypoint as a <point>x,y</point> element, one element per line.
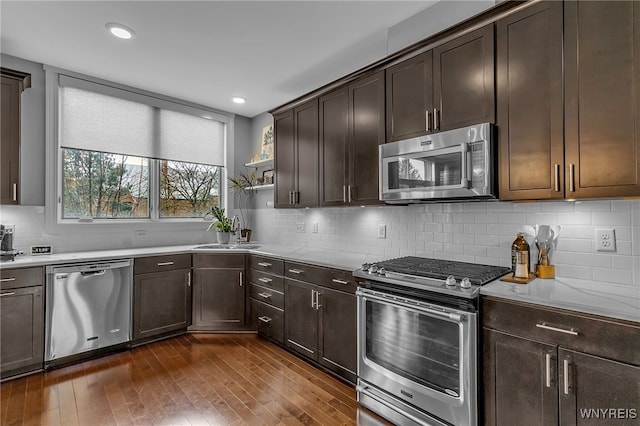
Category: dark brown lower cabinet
<point>21,330</point>
<point>320,324</point>
<point>162,303</point>
<point>218,291</point>
<point>536,371</point>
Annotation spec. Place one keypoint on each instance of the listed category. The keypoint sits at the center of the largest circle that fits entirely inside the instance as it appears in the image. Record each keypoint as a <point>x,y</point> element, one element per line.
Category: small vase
<point>245,234</point>
<point>223,237</point>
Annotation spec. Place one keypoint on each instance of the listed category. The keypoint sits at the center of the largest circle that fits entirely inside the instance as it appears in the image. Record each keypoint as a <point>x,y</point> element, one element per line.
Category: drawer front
<point>225,261</point>
<point>267,295</point>
<point>269,320</point>
<point>22,277</point>
<point>145,265</point>
<point>326,277</point>
<point>267,264</point>
<point>266,280</point>
<point>607,337</point>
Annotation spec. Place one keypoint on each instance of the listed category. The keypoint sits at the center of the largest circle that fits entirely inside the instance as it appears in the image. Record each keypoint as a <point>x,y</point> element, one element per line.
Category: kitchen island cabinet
<point>161,296</point>
<point>320,317</point>
<point>449,87</point>
<point>551,366</point>
<point>218,292</point>
<point>21,321</point>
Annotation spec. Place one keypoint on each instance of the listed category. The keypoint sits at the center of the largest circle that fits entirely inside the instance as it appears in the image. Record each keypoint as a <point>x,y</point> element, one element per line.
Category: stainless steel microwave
<point>453,165</point>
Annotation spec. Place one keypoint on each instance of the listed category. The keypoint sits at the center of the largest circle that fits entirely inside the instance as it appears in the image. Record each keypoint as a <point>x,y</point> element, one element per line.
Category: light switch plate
<point>315,227</point>
<point>300,227</point>
<point>382,231</point>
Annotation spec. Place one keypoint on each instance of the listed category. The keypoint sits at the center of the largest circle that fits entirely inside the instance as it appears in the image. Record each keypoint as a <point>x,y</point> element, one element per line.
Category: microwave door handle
<point>465,167</point>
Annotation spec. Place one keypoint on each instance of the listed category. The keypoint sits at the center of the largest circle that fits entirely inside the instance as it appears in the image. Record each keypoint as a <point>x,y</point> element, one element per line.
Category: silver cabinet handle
<point>265,280</point>
<point>241,278</point>
<point>15,192</point>
<point>337,281</point>
<point>349,192</point>
<point>557,178</point>
<point>264,295</point>
<point>189,279</point>
<point>265,319</point>
<point>344,194</point>
<point>565,367</point>
<point>318,305</point>
<point>547,360</point>
<point>436,124</point>
<point>559,330</point>
<point>572,171</point>
<point>7,294</point>
<point>296,271</point>
<point>165,263</point>
<point>313,299</point>
<point>296,197</point>
<point>427,121</point>
<point>265,264</point>
<point>6,280</point>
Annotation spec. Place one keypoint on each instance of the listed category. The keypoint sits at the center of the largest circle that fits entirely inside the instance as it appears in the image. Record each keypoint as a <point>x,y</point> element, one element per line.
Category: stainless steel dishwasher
<point>88,309</point>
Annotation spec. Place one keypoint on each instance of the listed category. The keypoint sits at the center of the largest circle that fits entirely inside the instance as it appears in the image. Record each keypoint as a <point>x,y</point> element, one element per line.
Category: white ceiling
<point>207,51</point>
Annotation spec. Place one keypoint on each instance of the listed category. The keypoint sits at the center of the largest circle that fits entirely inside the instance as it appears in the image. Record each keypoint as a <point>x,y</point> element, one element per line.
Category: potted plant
<point>241,186</point>
<point>224,225</point>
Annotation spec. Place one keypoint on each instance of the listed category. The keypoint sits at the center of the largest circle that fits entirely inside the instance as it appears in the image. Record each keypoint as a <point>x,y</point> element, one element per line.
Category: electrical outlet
<point>315,227</point>
<point>300,227</point>
<point>382,231</point>
<point>605,239</point>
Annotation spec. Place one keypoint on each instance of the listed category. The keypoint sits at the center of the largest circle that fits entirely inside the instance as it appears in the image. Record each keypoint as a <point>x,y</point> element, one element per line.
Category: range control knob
<point>382,271</point>
<point>465,283</point>
<point>373,268</point>
<point>366,266</point>
<point>450,281</point>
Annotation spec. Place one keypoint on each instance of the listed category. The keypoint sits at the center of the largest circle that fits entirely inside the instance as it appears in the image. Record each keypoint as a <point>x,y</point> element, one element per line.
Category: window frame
<point>54,221</point>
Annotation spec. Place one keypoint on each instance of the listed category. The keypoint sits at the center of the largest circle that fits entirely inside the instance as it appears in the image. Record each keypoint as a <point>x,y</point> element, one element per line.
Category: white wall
<point>480,232</point>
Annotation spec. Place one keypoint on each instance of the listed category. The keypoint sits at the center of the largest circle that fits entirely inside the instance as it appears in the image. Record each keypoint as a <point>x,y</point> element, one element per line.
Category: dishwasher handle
<point>93,273</point>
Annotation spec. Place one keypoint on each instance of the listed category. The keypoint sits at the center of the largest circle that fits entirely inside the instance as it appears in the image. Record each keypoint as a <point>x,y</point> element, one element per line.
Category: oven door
<point>421,354</point>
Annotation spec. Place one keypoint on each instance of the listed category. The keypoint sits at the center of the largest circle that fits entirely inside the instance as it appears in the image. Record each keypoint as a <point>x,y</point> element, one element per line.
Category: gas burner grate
<point>478,274</point>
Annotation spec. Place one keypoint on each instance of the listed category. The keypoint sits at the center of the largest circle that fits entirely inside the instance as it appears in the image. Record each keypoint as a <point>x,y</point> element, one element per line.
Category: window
<point>128,155</point>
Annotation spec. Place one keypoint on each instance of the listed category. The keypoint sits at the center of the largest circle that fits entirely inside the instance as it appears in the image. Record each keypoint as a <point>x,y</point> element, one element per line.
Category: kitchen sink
<point>227,247</point>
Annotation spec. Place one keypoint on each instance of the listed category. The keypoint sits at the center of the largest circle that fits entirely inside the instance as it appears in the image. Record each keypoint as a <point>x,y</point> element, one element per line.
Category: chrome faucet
<point>235,227</point>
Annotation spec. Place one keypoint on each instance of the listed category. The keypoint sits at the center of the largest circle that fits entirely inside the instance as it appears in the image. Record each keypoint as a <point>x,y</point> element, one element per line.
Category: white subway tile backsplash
<point>613,218</point>
<point>623,262</point>
<point>612,275</point>
<point>574,218</point>
<point>592,206</point>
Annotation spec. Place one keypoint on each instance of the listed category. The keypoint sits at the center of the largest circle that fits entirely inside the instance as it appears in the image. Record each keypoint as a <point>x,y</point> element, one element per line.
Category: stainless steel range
<point>417,339</point>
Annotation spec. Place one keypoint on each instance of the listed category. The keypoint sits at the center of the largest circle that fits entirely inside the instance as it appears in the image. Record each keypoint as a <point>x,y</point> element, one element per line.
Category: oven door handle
<point>405,303</point>
<point>364,390</point>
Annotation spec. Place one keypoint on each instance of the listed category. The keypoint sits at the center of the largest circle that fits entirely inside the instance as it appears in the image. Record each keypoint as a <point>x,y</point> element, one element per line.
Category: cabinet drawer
<point>267,264</point>
<point>607,337</point>
<point>267,295</point>
<point>145,265</point>
<point>23,277</point>
<point>218,261</point>
<point>326,277</point>
<point>266,280</point>
<point>269,320</point>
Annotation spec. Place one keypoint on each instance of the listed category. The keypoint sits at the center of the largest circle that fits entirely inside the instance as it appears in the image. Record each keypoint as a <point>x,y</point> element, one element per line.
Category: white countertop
<point>617,301</point>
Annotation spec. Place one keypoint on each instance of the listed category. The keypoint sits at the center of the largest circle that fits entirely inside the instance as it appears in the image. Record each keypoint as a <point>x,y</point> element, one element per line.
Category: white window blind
<point>97,117</point>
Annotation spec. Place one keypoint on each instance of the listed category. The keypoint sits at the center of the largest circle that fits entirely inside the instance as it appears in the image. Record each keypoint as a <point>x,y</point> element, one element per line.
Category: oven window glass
<point>419,347</point>
<point>434,171</point>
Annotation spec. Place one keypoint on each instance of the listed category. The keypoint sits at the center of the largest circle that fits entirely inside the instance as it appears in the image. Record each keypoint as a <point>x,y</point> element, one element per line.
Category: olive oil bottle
<point>520,257</point>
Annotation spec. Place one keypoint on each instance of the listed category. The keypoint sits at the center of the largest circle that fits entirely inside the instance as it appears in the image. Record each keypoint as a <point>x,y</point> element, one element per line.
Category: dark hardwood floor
<point>193,379</point>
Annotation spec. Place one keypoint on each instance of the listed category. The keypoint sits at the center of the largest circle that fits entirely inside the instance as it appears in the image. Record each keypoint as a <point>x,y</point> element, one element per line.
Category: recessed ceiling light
<point>239,99</point>
<point>120,31</point>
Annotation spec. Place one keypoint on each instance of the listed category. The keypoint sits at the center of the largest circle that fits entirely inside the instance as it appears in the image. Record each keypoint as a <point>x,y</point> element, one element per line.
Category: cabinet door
<point>21,330</point>
<point>589,384</point>
<point>366,134</point>
<point>219,298</point>
<point>337,334</point>
<point>529,93</point>
<point>602,99</point>
<point>520,385</point>
<point>409,97</point>
<point>10,141</point>
<point>301,318</point>
<point>284,158</point>
<point>464,80</point>
<point>162,303</point>
<point>306,141</point>
<point>334,154</point>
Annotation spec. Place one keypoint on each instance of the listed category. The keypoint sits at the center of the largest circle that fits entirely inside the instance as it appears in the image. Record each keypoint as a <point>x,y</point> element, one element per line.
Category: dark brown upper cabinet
<point>296,156</point>
<point>529,103</point>
<point>13,84</point>
<point>602,98</point>
<point>351,129</point>
<point>451,86</point>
